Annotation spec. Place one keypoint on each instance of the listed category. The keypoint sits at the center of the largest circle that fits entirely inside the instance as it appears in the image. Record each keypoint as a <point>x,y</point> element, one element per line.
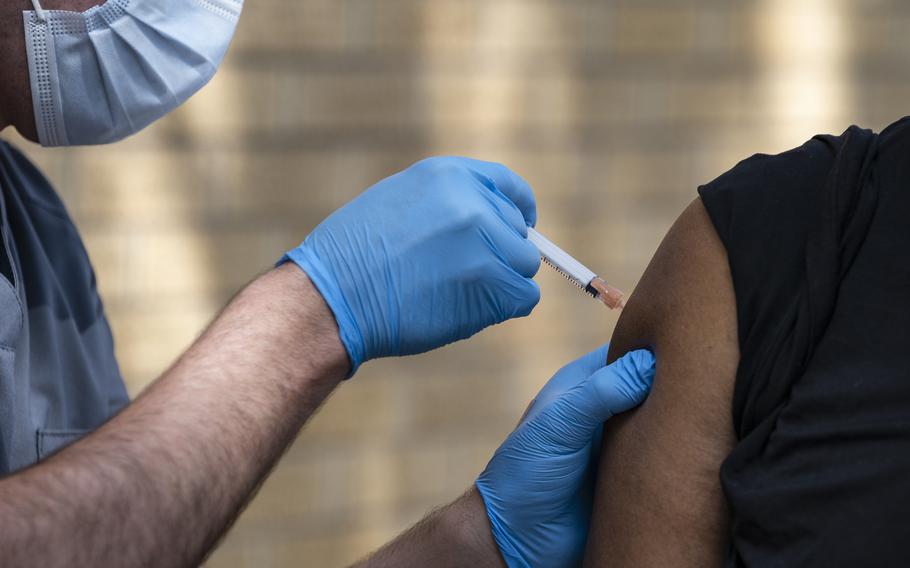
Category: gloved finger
<point>512,186</point>
<point>567,378</point>
<point>520,299</point>
<point>507,211</point>
<point>622,385</point>
<point>515,251</point>
<point>572,420</point>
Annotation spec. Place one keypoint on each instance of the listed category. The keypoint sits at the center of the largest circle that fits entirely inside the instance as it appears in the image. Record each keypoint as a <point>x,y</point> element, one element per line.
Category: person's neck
<point>4,120</point>
<point>13,63</point>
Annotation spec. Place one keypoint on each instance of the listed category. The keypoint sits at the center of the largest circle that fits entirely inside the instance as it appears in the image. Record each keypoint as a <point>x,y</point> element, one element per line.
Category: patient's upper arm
<point>658,499</point>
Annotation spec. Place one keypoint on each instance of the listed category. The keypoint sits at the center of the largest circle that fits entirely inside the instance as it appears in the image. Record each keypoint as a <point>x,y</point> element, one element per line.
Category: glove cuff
<point>350,334</point>
<point>507,548</point>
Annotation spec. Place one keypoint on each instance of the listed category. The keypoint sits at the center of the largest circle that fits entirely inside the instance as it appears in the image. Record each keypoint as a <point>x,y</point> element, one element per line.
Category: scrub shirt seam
<point>61,433</point>
<point>5,281</point>
<point>59,212</point>
<point>4,235</point>
<point>56,208</point>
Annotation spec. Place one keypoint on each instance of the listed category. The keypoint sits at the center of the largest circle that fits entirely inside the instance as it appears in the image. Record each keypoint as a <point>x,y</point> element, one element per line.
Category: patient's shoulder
<point>684,308</point>
<point>685,296</point>
<point>659,500</point>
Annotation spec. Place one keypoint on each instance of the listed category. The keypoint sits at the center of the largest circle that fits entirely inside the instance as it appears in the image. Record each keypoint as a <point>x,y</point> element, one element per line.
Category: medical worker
<point>426,257</point>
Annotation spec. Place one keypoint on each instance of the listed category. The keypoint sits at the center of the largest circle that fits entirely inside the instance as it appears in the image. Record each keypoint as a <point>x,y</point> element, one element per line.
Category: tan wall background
<point>614,110</point>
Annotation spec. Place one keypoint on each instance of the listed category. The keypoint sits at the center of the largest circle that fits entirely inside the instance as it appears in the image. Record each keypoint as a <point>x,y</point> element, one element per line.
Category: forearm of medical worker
<point>426,257</point>
<point>455,536</point>
<point>160,483</point>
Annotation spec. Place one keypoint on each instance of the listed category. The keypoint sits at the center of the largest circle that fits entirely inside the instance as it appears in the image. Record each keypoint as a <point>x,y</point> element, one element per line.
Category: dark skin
<point>659,500</point>
<point>15,91</point>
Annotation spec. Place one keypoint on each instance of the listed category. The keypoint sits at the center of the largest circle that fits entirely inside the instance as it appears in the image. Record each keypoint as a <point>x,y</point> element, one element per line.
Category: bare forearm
<point>161,482</point>
<point>454,536</point>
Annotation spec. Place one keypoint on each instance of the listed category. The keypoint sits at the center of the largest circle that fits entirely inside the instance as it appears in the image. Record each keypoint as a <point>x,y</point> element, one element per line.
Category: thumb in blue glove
<point>538,487</point>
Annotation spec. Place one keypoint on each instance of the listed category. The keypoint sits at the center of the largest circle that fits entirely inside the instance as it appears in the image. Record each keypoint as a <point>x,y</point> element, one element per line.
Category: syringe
<point>576,272</point>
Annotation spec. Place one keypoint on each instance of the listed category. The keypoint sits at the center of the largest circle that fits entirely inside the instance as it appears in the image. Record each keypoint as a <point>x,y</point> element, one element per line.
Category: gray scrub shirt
<point>58,375</point>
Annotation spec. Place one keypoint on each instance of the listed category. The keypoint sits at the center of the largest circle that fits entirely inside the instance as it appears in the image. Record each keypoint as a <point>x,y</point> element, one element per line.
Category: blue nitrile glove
<point>538,487</point>
<point>426,257</point>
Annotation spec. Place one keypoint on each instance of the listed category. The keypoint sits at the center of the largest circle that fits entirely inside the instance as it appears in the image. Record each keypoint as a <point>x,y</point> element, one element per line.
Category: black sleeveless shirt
<point>818,240</point>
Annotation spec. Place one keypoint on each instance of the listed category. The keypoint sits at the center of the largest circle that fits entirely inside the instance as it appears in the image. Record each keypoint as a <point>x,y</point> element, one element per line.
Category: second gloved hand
<point>426,257</point>
<point>538,487</point>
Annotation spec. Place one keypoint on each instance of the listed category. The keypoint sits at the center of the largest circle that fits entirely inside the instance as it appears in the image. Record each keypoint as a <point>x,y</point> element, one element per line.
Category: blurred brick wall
<point>614,111</point>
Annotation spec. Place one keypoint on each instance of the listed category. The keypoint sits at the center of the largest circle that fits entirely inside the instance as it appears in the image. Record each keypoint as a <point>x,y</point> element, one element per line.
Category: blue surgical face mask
<point>104,74</point>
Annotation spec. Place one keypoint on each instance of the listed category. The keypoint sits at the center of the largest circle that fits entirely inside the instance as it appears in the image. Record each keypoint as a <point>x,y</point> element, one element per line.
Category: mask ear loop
<point>39,11</point>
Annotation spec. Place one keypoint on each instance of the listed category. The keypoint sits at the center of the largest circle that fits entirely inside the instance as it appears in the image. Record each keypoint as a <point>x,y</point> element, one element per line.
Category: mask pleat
<point>139,54</point>
<point>116,60</point>
<point>194,69</point>
<point>132,62</point>
<point>198,37</point>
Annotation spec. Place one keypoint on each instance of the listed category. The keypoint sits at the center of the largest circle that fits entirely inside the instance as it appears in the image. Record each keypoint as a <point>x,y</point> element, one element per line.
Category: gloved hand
<point>538,487</point>
<point>426,257</point>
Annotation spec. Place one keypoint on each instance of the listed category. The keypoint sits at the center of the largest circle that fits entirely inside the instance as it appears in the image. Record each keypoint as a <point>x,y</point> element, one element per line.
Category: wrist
<point>467,522</point>
<point>315,348</point>
<point>331,293</point>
